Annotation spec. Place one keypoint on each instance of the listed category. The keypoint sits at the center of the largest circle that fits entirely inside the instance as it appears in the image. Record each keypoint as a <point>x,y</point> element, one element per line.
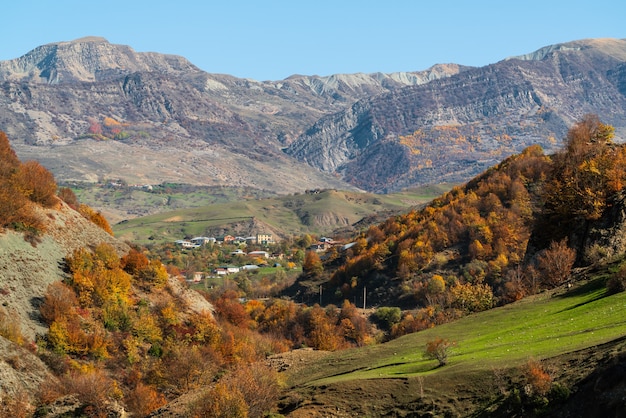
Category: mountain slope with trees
<point>510,232</point>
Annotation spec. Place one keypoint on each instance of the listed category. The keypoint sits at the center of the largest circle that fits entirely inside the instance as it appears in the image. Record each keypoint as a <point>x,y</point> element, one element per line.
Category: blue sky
<point>273,39</point>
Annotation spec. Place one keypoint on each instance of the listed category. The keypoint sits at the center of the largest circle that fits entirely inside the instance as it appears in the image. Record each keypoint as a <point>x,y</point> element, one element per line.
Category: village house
<point>263,254</point>
<point>225,270</point>
<point>264,239</point>
<point>186,244</point>
<point>203,240</point>
<point>323,244</point>
<point>197,277</point>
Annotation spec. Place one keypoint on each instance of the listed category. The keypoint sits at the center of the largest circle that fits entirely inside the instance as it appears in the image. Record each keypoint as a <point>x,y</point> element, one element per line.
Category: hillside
<point>320,212</point>
<point>575,334</point>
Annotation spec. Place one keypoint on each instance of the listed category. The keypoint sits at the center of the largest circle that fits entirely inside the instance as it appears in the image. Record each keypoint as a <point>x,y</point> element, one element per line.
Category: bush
<point>539,380</point>
<point>438,349</point>
<point>617,282</point>
<point>388,316</point>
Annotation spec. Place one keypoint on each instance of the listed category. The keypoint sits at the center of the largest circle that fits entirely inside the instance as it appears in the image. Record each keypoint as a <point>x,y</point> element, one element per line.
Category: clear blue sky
<point>273,39</point>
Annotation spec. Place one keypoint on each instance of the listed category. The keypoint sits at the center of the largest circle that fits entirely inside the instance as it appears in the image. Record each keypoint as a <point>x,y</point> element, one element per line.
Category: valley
<point>445,242</point>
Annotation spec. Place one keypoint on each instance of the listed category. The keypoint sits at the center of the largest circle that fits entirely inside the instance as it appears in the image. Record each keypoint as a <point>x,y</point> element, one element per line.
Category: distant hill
<point>318,212</point>
<point>92,111</point>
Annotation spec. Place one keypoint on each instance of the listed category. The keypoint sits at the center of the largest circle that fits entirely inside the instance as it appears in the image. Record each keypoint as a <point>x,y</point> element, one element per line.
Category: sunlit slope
<point>538,327</point>
<point>314,213</point>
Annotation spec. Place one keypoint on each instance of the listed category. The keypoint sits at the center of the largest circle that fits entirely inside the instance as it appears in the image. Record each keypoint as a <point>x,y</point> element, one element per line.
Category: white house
<point>186,244</point>
<point>264,254</point>
<point>203,240</point>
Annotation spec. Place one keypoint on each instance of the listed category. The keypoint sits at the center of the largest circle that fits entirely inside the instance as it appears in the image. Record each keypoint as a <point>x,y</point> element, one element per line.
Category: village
<point>241,260</point>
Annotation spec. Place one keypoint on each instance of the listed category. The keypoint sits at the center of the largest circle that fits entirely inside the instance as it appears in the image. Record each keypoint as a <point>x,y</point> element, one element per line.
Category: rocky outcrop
<point>26,270</point>
<point>460,125</point>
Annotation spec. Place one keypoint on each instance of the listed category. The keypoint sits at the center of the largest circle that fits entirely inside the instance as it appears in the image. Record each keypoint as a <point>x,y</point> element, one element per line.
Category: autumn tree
<point>438,349</point>
<point>586,173</point>
<point>37,183</point>
<point>555,263</point>
<point>312,264</point>
<point>9,163</point>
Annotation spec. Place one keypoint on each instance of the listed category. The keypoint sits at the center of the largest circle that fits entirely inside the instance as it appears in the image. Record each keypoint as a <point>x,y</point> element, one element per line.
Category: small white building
<point>203,240</point>
<point>186,244</point>
<point>263,254</point>
<point>249,267</point>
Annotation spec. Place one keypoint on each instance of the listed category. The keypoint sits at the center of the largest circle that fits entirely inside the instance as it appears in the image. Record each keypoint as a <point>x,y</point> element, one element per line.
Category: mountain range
<point>92,111</point>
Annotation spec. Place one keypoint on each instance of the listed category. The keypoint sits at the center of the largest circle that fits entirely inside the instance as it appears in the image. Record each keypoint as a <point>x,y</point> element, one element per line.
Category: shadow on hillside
<point>589,287</point>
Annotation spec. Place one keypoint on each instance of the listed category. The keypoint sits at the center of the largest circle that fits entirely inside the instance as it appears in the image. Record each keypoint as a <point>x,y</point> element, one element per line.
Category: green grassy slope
<point>319,213</point>
<point>563,327</point>
<point>541,326</point>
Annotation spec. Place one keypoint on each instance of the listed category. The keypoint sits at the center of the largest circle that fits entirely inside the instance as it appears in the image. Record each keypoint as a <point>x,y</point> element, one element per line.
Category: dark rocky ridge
<point>495,111</point>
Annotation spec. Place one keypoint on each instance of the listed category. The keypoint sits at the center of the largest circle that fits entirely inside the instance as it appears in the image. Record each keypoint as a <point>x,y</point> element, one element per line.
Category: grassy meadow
<point>319,213</point>
<point>538,327</point>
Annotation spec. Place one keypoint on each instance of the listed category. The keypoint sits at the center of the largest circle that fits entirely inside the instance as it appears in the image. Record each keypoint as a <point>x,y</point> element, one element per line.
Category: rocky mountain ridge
<point>456,127</point>
<point>174,123</point>
<point>90,110</point>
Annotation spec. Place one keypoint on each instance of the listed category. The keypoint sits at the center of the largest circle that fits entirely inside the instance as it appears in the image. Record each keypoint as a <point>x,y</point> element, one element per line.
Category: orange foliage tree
<point>37,183</point>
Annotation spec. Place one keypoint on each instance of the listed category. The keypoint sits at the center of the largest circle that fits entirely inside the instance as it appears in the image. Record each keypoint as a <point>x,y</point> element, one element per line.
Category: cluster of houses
<point>322,245</point>
<point>197,242</point>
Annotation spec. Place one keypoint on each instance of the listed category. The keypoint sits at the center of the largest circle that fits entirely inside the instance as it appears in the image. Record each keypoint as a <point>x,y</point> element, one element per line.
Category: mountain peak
<point>90,39</point>
<point>609,46</point>
<point>87,59</point>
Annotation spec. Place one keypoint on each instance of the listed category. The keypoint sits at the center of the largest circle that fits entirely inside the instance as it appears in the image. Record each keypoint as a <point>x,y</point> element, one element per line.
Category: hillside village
<point>251,260</point>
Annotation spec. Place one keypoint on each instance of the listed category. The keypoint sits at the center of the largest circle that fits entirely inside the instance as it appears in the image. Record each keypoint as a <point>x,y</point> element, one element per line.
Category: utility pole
<point>320,295</point>
<point>364,295</point>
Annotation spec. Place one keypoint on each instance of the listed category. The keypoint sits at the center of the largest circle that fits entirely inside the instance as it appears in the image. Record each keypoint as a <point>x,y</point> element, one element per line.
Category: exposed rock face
<point>379,132</point>
<point>460,125</point>
<point>177,123</point>
<point>27,270</point>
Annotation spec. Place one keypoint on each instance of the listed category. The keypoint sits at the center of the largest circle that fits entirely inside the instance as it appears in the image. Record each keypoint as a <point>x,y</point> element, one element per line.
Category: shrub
<point>67,195</point>
<point>617,282</point>
<point>10,328</point>
<point>438,349</point>
<point>538,379</point>
<point>95,217</point>
<point>220,402</point>
<point>58,302</point>
<point>143,399</point>
<point>388,316</point>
